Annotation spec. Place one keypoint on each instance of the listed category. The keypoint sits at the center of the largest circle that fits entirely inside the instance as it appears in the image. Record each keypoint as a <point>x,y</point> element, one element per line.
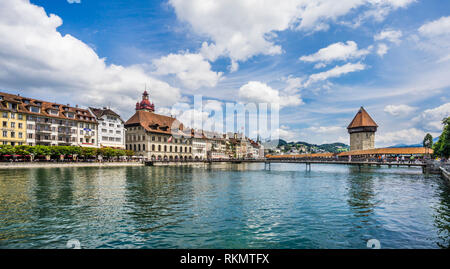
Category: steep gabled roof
<point>99,112</point>
<point>362,119</point>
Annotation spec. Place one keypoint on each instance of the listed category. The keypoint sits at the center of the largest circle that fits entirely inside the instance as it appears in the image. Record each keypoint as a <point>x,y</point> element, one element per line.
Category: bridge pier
<point>308,165</point>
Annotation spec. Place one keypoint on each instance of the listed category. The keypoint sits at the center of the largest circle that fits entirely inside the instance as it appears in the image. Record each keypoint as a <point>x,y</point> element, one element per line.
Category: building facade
<point>156,137</point>
<point>13,122</point>
<point>111,130</point>
<point>47,123</point>
<point>362,131</point>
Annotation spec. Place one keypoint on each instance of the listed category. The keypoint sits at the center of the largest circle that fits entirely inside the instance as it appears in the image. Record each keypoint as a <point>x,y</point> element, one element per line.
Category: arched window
<point>139,147</point>
<point>170,149</point>
<point>181,149</point>
<point>165,148</point>
<point>185,149</point>
<point>176,148</point>
<point>134,147</point>
<point>159,147</point>
<point>143,147</point>
<point>153,147</point>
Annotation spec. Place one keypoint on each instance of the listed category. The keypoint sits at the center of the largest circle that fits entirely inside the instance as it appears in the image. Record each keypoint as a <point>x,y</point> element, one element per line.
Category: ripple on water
<point>231,206</point>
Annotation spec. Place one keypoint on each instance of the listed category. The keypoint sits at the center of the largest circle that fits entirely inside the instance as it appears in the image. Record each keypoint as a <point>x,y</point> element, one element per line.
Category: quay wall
<point>16,165</point>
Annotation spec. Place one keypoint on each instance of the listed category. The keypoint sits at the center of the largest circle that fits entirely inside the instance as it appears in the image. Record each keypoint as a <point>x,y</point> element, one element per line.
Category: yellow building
<point>12,123</point>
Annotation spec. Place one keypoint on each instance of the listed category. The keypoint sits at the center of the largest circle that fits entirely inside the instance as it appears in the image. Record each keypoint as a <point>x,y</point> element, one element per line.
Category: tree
<point>428,141</point>
<point>442,146</point>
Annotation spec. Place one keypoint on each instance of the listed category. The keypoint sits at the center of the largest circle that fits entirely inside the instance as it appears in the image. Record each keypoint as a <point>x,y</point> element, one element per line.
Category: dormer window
<point>53,112</point>
<point>35,109</point>
<point>55,106</point>
<point>1,97</point>
<point>38,103</point>
<point>26,101</point>
<point>70,115</point>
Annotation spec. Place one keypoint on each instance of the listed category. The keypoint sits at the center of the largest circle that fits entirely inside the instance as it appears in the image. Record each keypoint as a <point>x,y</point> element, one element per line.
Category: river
<point>224,206</point>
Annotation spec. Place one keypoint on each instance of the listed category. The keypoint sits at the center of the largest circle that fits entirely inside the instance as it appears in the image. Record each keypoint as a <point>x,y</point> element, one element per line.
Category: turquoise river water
<point>224,206</point>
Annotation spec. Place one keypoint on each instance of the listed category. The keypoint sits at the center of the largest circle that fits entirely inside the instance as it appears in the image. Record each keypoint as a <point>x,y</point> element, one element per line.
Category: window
<point>13,116</point>
<point>5,114</point>
<point>30,136</point>
<point>20,125</point>
<point>5,134</point>
<point>30,126</point>
<point>34,109</point>
<point>153,138</point>
<point>20,116</point>
<point>153,147</point>
<point>159,147</point>
<point>13,124</point>
<point>143,147</point>
<point>13,134</point>
<point>20,135</point>
<point>5,124</point>
<point>165,148</point>
<point>81,140</point>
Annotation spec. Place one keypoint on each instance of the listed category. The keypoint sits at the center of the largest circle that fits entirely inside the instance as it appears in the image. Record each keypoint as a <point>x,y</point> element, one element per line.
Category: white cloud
<point>399,110</point>
<point>258,92</point>
<point>36,59</point>
<point>326,129</point>
<point>337,71</point>
<point>382,49</point>
<point>405,136</point>
<point>74,1</point>
<point>436,28</point>
<point>431,119</point>
<point>191,69</point>
<point>242,29</point>
<point>389,35</point>
<point>337,51</point>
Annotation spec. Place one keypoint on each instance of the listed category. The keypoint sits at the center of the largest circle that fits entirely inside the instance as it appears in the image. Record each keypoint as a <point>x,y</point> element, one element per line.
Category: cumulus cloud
<point>36,59</point>
<point>382,49</point>
<point>436,28</point>
<point>191,69</point>
<point>242,29</point>
<point>337,51</point>
<point>405,136</point>
<point>399,110</point>
<point>258,92</point>
<point>337,71</point>
<point>431,119</point>
<point>389,35</point>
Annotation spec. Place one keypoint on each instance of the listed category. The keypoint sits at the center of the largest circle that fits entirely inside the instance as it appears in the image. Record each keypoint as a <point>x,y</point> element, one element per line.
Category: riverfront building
<point>156,137</point>
<point>111,130</point>
<point>44,123</point>
<point>13,131</point>
<point>362,131</point>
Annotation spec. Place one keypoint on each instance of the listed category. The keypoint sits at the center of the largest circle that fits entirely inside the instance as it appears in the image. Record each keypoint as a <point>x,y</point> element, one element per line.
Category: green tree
<point>428,141</point>
<point>442,146</point>
<point>22,150</point>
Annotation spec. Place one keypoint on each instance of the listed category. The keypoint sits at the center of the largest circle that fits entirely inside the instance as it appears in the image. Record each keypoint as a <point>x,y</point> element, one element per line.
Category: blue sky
<point>321,61</point>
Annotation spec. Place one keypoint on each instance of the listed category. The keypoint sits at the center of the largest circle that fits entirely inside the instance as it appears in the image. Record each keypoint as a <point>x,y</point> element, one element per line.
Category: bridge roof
<point>389,151</point>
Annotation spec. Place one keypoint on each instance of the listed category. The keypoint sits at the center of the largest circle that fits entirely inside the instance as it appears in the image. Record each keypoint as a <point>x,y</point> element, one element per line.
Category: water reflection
<point>223,206</point>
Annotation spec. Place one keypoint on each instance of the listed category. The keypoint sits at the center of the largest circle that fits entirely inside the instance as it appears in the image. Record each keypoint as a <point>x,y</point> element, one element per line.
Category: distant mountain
<point>413,145</point>
<point>302,146</point>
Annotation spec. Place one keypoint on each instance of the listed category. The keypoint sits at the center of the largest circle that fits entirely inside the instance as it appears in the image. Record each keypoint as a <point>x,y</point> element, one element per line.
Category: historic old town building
<point>28,121</point>
<point>111,130</point>
<point>362,131</point>
<point>45,123</point>
<point>155,136</point>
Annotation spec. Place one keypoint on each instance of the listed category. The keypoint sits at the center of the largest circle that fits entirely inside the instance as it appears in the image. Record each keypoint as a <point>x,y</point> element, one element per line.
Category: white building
<point>111,130</point>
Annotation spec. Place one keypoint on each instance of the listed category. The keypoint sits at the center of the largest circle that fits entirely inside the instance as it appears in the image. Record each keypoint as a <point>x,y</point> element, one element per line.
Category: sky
<point>319,60</point>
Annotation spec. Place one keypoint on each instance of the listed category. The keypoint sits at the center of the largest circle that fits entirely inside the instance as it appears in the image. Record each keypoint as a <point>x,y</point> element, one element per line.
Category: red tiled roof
<point>153,122</point>
<point>362,119</point>
<point>81,114</point>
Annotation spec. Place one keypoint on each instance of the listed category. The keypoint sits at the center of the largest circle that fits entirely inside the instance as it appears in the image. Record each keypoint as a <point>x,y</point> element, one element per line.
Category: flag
<point>170,139</point>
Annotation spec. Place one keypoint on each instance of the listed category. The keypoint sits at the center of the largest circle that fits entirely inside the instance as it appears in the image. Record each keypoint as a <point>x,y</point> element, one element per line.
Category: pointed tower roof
<point>362,119</point>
